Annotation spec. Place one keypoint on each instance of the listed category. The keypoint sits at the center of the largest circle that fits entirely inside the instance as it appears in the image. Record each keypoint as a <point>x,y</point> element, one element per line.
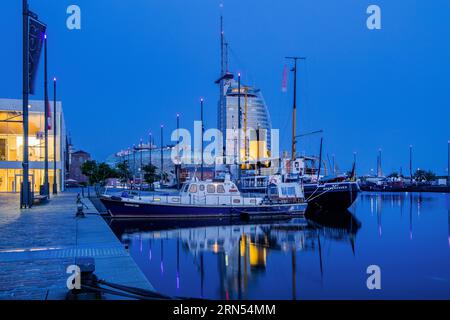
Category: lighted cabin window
<point>211,188</point>
<point>193,188</point>
<point>202,187</point>
<point>220,189</point>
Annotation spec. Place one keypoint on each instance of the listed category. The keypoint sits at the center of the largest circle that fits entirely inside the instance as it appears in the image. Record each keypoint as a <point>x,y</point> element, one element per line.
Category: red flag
<point>285,79</point>
<point>49,119</point>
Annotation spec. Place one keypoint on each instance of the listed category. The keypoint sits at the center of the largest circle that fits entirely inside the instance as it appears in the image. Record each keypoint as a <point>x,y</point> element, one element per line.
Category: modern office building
<point>253,143</point>
<point>11,145</point>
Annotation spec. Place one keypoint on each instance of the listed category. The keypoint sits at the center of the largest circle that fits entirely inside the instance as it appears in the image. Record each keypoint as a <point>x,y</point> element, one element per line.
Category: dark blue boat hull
<point>128,209</point>
<point>331,196</point>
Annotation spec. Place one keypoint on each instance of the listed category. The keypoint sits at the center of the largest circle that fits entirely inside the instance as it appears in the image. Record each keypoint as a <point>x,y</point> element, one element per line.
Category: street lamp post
<point>201,142</point>
<point>140,165</point>
<point>410,164</point>
<point>380,170</point>
<point>134,163</point>
<point>45,189</point>
<point>55,132</point>
<point>448,163</point>
<point>239,129</point>
<point>178,158</point>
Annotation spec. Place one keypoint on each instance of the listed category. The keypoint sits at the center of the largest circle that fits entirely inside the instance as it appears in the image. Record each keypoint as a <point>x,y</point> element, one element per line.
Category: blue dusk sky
<point>135,64</point>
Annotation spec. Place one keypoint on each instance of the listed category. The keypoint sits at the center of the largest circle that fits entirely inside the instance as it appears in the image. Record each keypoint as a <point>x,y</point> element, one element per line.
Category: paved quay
<point>37,245</point>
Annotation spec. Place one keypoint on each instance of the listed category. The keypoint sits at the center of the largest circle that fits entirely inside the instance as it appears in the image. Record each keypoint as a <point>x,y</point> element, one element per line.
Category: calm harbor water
<point>322,257</point>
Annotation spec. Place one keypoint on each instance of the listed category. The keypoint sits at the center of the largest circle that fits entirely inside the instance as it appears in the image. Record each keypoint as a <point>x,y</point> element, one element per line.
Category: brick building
<point>77,159</point>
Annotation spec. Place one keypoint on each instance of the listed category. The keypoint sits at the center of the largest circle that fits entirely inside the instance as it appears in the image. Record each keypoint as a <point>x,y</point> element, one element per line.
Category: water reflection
<point>231,259</point>
<point>448,218</point>
<point>415,201</point>
<point>320,257</point>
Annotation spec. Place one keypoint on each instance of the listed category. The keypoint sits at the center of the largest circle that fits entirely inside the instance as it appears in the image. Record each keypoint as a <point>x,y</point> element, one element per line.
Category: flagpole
<point>55,186</point>
<point>25,201</point>
<point>46,189</point>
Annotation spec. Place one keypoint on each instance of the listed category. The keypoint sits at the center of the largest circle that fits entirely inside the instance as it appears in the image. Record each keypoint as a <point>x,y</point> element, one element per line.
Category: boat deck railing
<point>208,199</point>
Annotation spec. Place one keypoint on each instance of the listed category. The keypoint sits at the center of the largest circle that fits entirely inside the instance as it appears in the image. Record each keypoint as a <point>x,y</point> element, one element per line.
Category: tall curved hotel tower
<point>253,140</point>
<point>255,123</point>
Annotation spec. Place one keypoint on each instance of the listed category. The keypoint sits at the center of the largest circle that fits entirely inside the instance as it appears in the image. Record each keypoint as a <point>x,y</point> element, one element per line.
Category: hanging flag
<point>49,113</point>
<point>35,41</point>
<point>285,79</point>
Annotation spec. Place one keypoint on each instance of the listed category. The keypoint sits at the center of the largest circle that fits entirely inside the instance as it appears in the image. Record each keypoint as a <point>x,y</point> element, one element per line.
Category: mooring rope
<point>310,199</point>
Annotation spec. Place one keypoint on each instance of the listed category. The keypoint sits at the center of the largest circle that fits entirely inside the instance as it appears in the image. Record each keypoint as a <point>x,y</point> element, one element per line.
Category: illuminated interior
<point>11,150</point>
<point>10,179</point>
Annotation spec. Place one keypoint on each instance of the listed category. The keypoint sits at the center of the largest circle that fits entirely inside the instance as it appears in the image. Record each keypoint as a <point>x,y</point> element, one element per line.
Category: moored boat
<point>209,199</point>
<point>331,196</point>
<point>325,193</point>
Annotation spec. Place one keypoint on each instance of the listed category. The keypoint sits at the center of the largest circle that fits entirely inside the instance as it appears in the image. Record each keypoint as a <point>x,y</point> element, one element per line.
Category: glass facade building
<point>139,157</point>
<point>11,145</point>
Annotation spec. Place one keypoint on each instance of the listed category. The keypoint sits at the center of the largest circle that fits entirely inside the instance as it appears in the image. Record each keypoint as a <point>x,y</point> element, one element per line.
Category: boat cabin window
<point>288,191</point>
<point>220,189</point>
<point>185,188</point>
<point>273,191</point>
<point>202,187</point>
<point>193,188</point>
<point>211,188</point>
<point>291,191</point>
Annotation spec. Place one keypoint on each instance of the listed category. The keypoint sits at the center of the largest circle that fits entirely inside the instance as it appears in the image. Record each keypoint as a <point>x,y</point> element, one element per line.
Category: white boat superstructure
<point>197,192</point>
<point>209,198</point>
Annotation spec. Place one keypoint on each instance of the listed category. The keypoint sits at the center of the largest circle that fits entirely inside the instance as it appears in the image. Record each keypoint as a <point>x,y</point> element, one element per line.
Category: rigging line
<point>247,73</point>
<point>306,84</point>
<point>306,103</point>
<point>306,119</point>
<point>312,193</point>
<point>331,189</point>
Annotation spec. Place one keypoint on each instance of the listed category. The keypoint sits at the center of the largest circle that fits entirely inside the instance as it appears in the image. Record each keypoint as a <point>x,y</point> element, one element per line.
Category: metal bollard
<point>88,278</point>
<point>80,205</point>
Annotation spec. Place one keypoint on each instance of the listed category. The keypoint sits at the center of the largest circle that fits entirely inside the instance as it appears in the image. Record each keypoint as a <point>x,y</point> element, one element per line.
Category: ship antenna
<point>221,45</point>
<point>222,41</point>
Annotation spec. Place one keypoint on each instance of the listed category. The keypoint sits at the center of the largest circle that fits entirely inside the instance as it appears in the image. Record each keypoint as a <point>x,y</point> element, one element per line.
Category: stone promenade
<point>37,245</point>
